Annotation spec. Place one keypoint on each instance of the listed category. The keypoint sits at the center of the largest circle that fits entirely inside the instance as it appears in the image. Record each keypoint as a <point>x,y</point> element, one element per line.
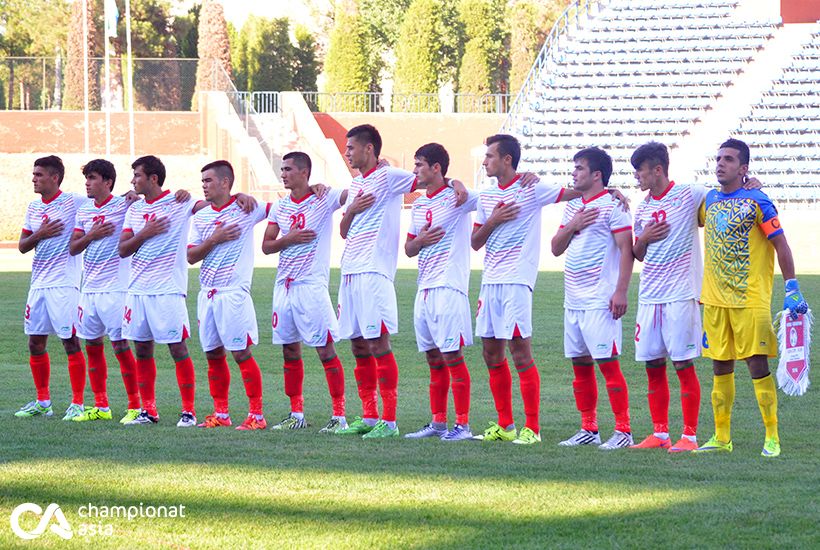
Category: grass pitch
<point>301,489</point>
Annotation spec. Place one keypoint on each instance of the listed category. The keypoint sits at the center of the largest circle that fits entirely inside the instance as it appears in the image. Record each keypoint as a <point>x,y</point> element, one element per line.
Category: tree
<point>213,48</point>
<point>74,88</point>
<point>186,32</point>
<point>530,24</point>
<point>484,51</point>
<point>346,65</point>
<point>305,69</point>
<point>382,20</point>
<point>239,56</point>
<point>270,55</point>
<point>418,58</point>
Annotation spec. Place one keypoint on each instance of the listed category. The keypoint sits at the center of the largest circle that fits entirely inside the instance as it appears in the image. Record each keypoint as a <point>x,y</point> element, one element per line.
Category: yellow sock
<point>766,395</point>
<point>723,397</point>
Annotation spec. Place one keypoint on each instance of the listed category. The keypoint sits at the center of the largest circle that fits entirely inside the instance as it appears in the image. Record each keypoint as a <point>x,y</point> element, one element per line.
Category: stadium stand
<point>635,71</point>
<point>783,130</point>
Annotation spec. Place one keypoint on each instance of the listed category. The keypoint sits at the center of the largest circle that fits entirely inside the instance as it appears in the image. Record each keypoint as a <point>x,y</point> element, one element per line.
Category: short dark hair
<point>741,146</point>
<point>223,170</point>
<point>507,145</point>
<point>152,166</point>
<point>102,167</point>
<point>367,133</point>
<point>598,160</point>
<point>300,159</point>
<point>54,165</point>
<point>434,153</point>
<point>654,153</point>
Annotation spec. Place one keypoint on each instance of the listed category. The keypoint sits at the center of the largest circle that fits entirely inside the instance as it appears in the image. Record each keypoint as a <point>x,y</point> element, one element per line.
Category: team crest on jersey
<point>676,202</point>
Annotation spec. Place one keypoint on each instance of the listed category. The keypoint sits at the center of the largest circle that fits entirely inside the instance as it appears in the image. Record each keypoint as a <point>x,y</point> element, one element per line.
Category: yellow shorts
<point>735,333</point>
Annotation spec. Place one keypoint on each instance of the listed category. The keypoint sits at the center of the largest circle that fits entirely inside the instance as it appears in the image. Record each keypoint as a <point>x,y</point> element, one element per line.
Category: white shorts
<point>668,330</point>
<point>303,313</point>
<point>366,302</point>
<point>591,332</point>
<point>162,318</point>
<point>442,319</point>
<point>100,315</point>
<point>504,311</point>
<point>226,318</point>
<point>51,311</point>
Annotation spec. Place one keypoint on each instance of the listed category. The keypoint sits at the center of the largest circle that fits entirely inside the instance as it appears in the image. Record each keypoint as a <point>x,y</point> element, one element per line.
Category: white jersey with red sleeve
<point>513,249</point>
<point>52,265</point>
<point>446,263</point>
<point>673,267</point>
<point>592,264</point>
<point>307,262</point>
<point>160,265</point>
<point>229,265</point>
<point>372,243</point>
<point>103,269</point>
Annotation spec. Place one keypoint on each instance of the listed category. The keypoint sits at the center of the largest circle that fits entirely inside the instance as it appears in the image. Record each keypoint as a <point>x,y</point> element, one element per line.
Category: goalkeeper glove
<point>794,300</point>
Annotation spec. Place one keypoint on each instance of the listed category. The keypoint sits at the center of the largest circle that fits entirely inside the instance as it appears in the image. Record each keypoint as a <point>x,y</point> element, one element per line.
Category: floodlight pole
<point>85,74</point>
<point>130,76</point>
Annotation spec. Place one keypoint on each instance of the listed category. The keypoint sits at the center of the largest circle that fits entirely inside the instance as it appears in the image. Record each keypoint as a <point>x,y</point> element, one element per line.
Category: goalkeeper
<point>742,235</point>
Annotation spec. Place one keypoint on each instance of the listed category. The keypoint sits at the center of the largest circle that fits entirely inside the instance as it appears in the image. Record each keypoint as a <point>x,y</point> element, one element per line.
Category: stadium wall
<point>170,133</point>
<point>403,133</point>
<point>800,11</point>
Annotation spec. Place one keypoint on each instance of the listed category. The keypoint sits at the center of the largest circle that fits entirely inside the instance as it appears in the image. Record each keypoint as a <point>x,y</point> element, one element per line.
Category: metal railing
<point>378,102</point>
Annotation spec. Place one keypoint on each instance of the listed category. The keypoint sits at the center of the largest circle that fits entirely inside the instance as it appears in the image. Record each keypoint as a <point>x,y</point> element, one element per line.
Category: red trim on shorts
<point>620,229</point>
<point>509,183</point>
<point>516,332</point>
<point>598,196</point>
<point>384,329</point>
<point>161,195</point>
<point>185,334</point>
<point>224,206</point>
<point>329,339</point>
<point>103,203</point>
<point>249,341</point>
<point>614,350</point>
<point>461,340</point>
<point>665,191</point>
<point>52,199</point>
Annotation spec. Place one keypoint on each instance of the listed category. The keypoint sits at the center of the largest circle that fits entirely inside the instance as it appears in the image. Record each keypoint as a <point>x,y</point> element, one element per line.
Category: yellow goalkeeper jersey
<point>739,259</point>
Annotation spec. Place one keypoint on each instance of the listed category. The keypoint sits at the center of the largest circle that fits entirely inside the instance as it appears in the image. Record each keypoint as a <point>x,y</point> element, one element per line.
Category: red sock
<point>501,388</point>
<point>460,376</point>
<point>618,393</point>
<point>186,380</point>
<point>252,378</point>
<point>439,391</point>
<point>530,382</point>
<point>689,398</point>
<point>98,374</point>
<point>40,372</point>
<point>147,382</point>
<point>335,376</point>
<point>76,372</point>
<point>585,388</point>
<point>365,374</point>
<point>219,382</point>
<point>387,372</point>
<point>658,395</point>
<point>294,377</point>
<point>128,369</point>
